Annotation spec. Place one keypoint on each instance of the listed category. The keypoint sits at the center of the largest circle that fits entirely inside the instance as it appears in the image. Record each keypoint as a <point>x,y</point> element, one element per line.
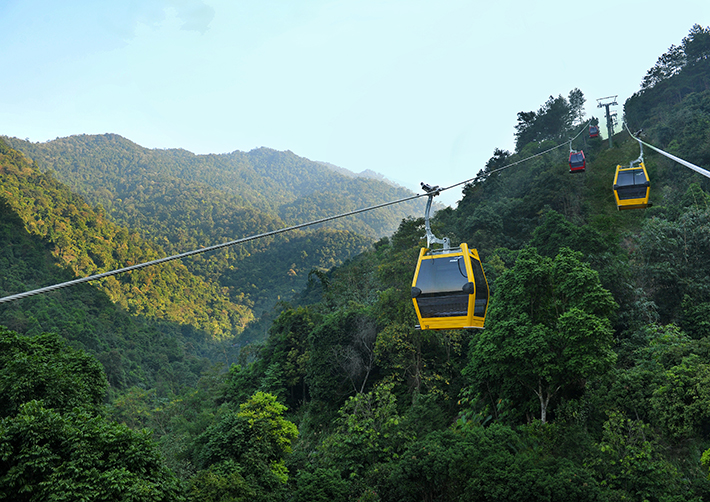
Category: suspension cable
<point>670,156</point>
<point>257,236</point>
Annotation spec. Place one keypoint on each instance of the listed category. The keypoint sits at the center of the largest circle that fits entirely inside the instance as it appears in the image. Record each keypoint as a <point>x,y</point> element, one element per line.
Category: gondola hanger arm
<point>431,192</point>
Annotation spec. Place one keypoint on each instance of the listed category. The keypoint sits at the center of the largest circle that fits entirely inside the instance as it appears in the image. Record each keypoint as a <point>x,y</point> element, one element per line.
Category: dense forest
<point>590,381</point>
<point>182,201</point>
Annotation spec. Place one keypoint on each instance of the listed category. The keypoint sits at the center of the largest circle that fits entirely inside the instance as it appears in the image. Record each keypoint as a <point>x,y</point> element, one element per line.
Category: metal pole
<point>609,116</point>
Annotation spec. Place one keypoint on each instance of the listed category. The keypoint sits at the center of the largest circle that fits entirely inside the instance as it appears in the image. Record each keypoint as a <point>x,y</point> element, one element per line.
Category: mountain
<point>108,167</point>
<point>158,330</point>
<point>183,201</point>
<point>367,173</point>
<point>86,242</point>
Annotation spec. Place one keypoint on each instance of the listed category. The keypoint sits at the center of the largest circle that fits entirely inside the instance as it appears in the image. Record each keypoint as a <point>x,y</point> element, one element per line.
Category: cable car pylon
<point>609,115</point>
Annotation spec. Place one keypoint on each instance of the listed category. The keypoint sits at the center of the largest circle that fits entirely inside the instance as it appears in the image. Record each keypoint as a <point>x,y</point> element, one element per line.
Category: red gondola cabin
<point>593,131</point>
<point>577,163</point>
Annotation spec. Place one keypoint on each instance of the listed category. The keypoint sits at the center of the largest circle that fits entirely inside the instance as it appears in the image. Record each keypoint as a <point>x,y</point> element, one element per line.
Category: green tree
<point>576,101</point>
<point>342,354</point>
<point>281,361</point>
<point>493,463</point>
<point>44,368</point>
<point>555,232</point>
<point>321,485</point>
<point>667,65</point>
<point>629,463</point>
<point>369,431</point>
<point>552,121</point>
<point>253,443</point>
<point>682,400</point>
<point>219,484</point>
<point>45,455</point>
<point>548,329</point>
<point>676,263</point>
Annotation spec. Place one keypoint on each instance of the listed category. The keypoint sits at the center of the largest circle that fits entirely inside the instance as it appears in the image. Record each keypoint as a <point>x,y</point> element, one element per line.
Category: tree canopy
<point>548,330</point>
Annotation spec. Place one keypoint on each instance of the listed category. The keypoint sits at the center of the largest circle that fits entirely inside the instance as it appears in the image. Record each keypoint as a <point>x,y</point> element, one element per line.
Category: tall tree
<point>548,328</point>
<point>696,45</point>
<point>76,456</point>
<point>245,449</point>
<point>45,368</point>
<point>576,101</point>
<point>552,121</point>
<point>667,65</point>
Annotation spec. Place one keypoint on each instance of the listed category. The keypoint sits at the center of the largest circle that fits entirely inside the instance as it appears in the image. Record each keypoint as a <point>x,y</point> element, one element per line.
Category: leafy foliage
<point>628,461</point>
<point>51,456</point>
<point>552,121</point>
<point>248,447</point>
<point>45,369</point>
<point>54,442</point>
<point>549,329</point>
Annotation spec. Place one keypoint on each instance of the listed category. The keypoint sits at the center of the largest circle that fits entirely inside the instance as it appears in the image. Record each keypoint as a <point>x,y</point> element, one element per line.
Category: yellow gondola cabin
<point>631,187</point>
<point>449,289</point>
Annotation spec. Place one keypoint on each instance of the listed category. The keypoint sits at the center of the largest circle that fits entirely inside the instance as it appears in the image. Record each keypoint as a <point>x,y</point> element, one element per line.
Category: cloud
<point>195,15</point>
<point>122,18</point>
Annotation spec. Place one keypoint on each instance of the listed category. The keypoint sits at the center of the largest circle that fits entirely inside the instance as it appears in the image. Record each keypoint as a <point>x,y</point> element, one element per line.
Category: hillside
<point>86,242</point>
<point>183,201</point>
<point>134,350</point>
<point>107,168</point>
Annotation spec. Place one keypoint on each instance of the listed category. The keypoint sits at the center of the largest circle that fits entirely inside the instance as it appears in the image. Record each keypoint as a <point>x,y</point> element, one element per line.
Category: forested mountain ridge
<point>184,201</point>
<point>590,381</point>
<point>87,243</point>
<point>106,167</point>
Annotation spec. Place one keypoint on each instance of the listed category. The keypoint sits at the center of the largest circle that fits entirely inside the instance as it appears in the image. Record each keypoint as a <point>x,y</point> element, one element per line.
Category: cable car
<point>593,131</point>
<point>577,162</point>
<point>449,289</point>
<point>631,187</point>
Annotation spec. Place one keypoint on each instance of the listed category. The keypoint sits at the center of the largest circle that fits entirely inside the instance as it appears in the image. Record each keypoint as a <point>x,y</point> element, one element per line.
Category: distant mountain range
<point>179,201</point>
<point>107,167</point>
<point>367,173</point>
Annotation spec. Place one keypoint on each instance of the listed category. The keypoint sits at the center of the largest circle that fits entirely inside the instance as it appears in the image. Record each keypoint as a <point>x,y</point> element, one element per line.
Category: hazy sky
<point>416,90</point>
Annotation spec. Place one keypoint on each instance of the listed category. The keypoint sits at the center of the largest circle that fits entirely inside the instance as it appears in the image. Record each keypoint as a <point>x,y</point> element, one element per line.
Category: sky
<point>415,90</point>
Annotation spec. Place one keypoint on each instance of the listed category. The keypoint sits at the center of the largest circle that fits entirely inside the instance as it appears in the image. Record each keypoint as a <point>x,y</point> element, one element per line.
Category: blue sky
<point>415,90</point>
